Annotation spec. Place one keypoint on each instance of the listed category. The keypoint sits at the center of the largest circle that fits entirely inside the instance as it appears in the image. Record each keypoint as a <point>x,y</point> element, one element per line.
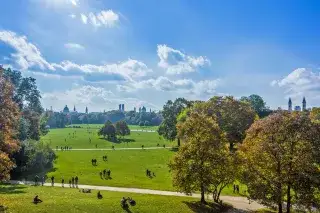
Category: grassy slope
<point>19,199</point>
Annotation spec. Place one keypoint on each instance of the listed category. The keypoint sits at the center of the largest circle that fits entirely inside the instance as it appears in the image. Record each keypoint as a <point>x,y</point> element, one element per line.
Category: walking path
<point>140,130</point>
<point>103,149</point>
<point>237,202</point>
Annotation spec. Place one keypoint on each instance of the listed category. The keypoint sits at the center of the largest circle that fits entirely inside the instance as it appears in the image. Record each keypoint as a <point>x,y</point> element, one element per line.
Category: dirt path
<point>241,203</point>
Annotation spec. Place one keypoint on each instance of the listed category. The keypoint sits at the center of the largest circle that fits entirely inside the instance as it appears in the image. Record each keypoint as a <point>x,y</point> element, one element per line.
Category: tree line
<point>60,119</point>
<point>21,124</point>
<point>276,154</point>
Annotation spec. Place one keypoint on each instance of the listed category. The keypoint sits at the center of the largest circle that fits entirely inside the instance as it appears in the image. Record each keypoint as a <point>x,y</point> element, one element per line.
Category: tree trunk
<point>288,198</point>
<point>202,195</point>
<point>279,207</point>
<point>178,141</point>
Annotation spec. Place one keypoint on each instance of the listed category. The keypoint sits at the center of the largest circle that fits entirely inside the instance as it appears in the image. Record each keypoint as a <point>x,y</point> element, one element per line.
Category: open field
<point>19,198</point>
<point>128,168</point>
<point>82,136</point>
<point>132,127</point>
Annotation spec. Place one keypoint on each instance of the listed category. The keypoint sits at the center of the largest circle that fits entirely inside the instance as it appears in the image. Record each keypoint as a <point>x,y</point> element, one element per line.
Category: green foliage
<point>280,157</point>
<point>201,153</point>
<point>33,157</point>
<point>108,130</point>
<point>258,104</point>
<point>122,128</point>
<point>170,112</point>
<point>141,123</point>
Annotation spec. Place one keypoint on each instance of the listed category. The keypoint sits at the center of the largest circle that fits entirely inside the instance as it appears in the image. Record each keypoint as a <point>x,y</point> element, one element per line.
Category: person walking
<point>52,181</point>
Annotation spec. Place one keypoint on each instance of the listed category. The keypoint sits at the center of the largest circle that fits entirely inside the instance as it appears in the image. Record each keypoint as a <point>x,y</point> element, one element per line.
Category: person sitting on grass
<point>36,200</point>
<point>124,203</point>
<point>99,195</point>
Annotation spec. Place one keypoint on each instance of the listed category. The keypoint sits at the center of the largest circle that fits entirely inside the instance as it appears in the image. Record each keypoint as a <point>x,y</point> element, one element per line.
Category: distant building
<point>66,109</point>
<point>143,109</point>
<point>297,108</point>
<point>304,104</point>
<point>87,110</point>
<point>139,109</point>
<point>135,109</point>
<point>119,107</point>
<point>290,105</point>
<point>122,107</point>
<point>74,108</point>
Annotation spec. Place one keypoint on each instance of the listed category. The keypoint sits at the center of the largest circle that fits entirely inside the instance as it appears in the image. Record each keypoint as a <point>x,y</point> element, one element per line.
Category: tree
<point>234,117</point>
<point>141,123</point>
<point>315,114</point>
<point>170,112</point>
<point>201,151</point>
<point>280,157</point>
<point>146,123</point>
<point>9,120</point>
<point>258,104</point>
<point>122,128</point>
<point>108,130</point>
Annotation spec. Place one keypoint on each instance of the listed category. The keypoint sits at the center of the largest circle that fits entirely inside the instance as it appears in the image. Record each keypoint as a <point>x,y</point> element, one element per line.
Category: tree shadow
<point>12,189</point>
<point>174,149</point>
<point>126,140</point>
<point>127,210</point>
<point>210,207</point>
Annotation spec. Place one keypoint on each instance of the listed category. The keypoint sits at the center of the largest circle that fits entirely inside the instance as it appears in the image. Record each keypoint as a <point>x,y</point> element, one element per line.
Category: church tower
<point>304,104</point>
<point>290,105</point>
<point>86,110</point>
<point>74,108</point>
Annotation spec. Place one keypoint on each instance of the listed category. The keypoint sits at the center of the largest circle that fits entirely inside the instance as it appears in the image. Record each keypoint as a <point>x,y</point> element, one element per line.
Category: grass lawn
<point>132,127</point>
<point>19,198</point>
<point>64,137</point>
<point>128,168</point>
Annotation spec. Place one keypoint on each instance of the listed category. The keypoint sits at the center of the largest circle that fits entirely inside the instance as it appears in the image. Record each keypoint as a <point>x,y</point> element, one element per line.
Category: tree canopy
<point>280,157</point>
<point>202,150</point>
<point>9,118</point>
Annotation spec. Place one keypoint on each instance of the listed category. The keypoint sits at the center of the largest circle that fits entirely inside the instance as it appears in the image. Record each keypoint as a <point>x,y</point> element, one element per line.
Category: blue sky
<point>100,53</point>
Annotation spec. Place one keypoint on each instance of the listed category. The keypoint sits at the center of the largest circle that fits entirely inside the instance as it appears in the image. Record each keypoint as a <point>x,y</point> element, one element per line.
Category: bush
<point>33,157</point>
<point>141,123</point>
<point>147,123</point>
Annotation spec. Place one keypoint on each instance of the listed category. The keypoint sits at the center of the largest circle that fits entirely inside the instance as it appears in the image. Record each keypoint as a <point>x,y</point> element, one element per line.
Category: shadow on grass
<point>198,207</point>
<point>12,189</point>
<point>174,149</point>
<point>119,140</point>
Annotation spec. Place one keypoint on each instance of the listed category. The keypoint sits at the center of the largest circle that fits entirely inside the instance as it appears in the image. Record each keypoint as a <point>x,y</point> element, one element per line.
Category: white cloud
<point>96,98</point>
<point>187,86</point>
<point>28,56</point>
<point>176,62</point>
<point>74,2</point>
<point>106,18</point>
<point>74,46</point>
<point>84,18</point>
<point>300,82</point>
<point>57,3</point>
<point>73,16</point>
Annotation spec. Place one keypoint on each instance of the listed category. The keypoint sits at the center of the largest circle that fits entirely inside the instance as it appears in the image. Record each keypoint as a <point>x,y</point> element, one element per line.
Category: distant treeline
<point>60,119</point>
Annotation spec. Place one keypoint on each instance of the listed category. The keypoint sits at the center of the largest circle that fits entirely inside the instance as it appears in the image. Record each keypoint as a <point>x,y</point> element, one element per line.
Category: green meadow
<point>18,199</point>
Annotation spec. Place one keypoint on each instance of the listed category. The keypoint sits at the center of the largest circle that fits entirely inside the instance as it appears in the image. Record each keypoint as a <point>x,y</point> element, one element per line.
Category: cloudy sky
<point>100,53</point>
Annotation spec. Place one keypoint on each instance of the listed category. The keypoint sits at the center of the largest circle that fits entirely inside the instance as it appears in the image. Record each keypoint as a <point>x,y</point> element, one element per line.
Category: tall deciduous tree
<point>122,128</point>
<point>258,104</point>
<point>170,112</point>
<point>279,153</point>
<point>108,130</point>
<point>199,154</point>
<point>9,118</point>
<point>234,117</point>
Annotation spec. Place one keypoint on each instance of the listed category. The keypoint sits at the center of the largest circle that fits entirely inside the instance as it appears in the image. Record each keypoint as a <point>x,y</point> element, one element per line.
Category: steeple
<point>74,108</point>
<point>86,110</point>
<point>304,104</point>
<point>290,105</point>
